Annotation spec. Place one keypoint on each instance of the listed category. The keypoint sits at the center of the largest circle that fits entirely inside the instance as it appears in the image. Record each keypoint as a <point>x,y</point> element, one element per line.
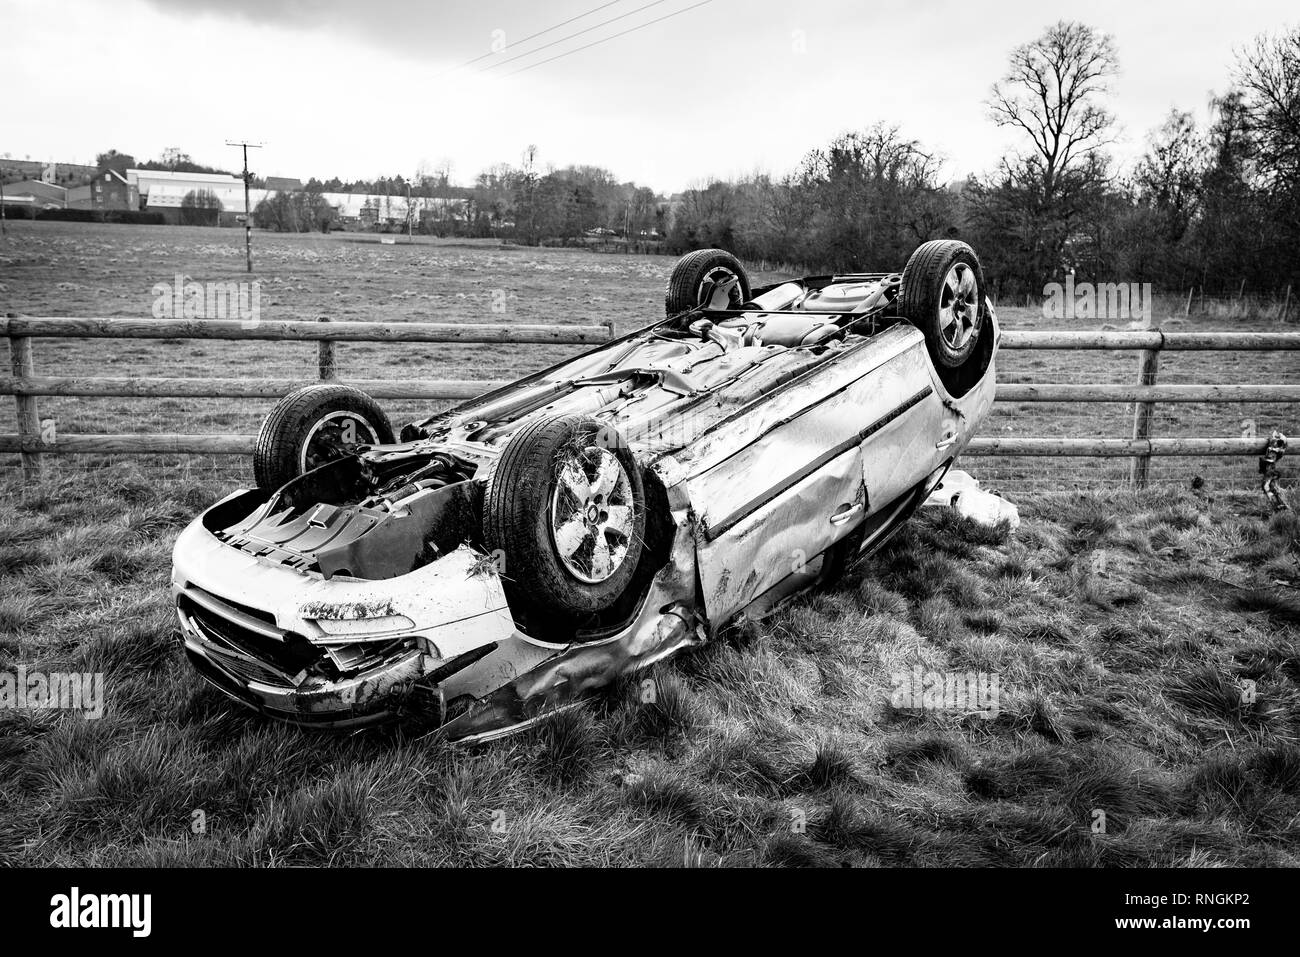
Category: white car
<point>499,561</point>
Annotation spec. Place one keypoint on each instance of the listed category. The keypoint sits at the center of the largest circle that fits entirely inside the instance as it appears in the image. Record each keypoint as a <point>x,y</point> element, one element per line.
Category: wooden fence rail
<point>25,385</point>
<point>152,388</point>
<point>146,387</point>
<point>302,331</point>
<point>242,444</point>
<point>1153,339</point>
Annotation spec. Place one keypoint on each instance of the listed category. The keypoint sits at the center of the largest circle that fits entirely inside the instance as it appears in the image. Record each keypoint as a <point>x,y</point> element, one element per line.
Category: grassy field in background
<point>1124,628</point>
<point>105,270</point>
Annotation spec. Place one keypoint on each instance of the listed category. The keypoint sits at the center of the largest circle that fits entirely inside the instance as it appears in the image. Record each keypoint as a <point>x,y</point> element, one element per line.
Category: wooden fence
<point>1145,392</point>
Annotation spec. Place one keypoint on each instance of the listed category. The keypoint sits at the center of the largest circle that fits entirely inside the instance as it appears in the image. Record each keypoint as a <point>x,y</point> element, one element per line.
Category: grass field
<point>103,270</point>
<point>1121,628</point>
<point>1147,644</point>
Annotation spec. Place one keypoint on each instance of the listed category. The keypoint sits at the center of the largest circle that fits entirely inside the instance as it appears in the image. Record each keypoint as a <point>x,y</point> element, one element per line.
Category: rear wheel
<point>711,277</point>
<point>943,294</point>
<point>315,425</point>
<point>566,506</point>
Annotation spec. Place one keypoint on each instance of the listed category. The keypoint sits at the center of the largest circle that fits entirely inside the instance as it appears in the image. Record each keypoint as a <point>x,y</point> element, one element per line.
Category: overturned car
<point>498,561</point>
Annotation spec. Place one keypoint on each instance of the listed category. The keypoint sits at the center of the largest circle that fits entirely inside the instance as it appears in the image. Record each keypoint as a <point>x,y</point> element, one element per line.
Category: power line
<point>612,36</point>
<point>603,23</point>
<point>562,23</point>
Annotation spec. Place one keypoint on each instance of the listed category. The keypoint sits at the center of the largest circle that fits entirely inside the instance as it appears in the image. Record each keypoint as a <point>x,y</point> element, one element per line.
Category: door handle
<point>845,513</point>
<point>947,440</point>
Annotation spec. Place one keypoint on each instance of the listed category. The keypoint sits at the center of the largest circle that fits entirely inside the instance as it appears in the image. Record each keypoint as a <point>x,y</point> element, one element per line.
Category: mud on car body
<point>499,561</point>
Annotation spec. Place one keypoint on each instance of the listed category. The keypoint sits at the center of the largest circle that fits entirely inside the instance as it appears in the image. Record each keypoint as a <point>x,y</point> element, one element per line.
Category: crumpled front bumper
<point>245,622</point>
<point>362,699</point>
<point>482,674</point>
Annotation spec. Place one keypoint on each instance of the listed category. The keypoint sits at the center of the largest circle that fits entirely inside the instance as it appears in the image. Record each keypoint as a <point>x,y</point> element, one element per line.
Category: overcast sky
<point>360,89</point>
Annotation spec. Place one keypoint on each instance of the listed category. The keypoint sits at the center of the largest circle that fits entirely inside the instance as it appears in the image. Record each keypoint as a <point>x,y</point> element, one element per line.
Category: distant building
<point>168,201</point>
<point>36,195</point>
<point>108,190</point>
<point>57,174</point>
<point>369,209</point>
<point>156,185</point>
<point>163,191</point>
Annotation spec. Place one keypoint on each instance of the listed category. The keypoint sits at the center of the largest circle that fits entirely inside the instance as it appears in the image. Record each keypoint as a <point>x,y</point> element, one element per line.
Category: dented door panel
<point>740,561</point>
<point>780,501</point>
<point>904,414</point>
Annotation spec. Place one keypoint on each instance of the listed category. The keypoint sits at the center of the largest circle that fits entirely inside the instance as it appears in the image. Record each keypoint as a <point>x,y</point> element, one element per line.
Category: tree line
<point>525,203</point>
<point>1216,207</point>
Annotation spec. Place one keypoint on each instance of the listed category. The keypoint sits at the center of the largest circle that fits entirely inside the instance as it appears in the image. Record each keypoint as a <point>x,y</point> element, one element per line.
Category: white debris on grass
<point>961,492</point>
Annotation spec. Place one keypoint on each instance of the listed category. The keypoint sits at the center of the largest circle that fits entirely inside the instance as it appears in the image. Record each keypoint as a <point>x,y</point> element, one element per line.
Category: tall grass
<point>775,745</point>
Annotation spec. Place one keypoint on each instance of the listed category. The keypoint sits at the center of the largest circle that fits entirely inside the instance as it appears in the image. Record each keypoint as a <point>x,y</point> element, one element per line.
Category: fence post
<point>1286,305</point>
<point>1143,415</point>
<point>326,362</point>
<point>29,419</point>
<point>1187,307</point>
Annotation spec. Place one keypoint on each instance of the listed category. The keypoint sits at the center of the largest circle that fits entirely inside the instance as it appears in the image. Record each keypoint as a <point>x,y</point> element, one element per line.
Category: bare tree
<point>1053,90</point>
<point>1168,177</point>
<point>526,195</point>
<point>443,171</point>
<point>424,174</point>
<point>1268,74</point>
<point>875,196</point>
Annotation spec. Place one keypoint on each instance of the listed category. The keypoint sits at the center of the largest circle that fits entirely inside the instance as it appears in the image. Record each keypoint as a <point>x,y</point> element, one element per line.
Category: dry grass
<point>776,744</point>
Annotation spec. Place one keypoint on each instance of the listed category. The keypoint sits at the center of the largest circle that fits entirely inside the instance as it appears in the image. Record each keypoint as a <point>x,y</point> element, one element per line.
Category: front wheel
<point>943,295</point>
<point>566,506</point>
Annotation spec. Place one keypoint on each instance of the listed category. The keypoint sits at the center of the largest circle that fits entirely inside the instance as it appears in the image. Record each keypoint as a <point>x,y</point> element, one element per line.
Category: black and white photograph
<point>451,441</point>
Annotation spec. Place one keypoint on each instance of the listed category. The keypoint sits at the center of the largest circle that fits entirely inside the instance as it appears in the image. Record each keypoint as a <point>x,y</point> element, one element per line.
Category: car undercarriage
<point>505,558</point>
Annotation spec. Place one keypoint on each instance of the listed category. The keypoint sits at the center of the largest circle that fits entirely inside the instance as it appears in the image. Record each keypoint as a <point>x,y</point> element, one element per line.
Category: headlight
<point>353,627</point>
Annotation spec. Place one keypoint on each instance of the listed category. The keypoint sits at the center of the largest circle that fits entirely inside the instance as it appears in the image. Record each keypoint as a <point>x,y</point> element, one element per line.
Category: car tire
<point>943,295</point>
<point>312,426</point>
<point>689,282</point>
<point>550,502</point>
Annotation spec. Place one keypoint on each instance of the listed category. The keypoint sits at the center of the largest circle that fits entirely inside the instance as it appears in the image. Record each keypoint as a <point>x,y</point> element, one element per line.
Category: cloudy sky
<point>713,88</point>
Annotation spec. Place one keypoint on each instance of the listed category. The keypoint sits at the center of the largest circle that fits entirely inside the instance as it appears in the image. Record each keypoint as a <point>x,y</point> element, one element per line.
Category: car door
<point>804,476</point>
<point>911,430</point>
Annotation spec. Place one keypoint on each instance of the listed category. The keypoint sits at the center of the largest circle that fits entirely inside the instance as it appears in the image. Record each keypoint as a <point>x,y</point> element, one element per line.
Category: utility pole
<point>4,230</point>
<point>248,213</point>
<point>410,226</point>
